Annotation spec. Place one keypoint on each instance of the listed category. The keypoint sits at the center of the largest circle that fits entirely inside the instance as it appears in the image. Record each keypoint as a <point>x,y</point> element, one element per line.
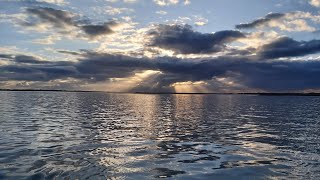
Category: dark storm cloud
<point>100,67</point>
<point>281,75</point>
<point>256,74</point>
<point>271,76</point>
<point>61,19</point>
<point>267,75</point>
<point>95,67</point>
<point>287,47</point>
<point>183,39</point>
<point>269,17</point>
<point>103,66</point>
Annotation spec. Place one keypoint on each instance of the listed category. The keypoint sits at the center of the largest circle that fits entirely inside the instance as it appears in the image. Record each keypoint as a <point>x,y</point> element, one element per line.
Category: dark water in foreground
<point>47,135</point>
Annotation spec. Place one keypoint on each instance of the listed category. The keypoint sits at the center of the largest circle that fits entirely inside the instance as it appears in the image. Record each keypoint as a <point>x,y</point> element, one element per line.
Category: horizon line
<point>191,93</point>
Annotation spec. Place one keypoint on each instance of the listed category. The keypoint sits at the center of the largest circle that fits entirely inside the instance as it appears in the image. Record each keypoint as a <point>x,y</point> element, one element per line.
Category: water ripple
<point>57,135</point>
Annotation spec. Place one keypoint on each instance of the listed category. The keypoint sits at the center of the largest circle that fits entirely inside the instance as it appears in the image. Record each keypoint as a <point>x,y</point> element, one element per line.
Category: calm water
<point>47,135</point>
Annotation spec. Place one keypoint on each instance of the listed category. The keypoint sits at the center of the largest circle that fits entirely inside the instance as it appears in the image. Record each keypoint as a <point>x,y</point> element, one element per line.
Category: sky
<point>183,46</point>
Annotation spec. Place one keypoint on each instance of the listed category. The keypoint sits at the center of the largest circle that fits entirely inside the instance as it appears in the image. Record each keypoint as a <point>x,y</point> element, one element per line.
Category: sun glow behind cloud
<point>190,87</point>
<point>125,84</point>
<point>160,45</point>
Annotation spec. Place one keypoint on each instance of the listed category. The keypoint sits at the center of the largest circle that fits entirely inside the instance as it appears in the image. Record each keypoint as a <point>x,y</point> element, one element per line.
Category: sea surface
<point>85,135</point>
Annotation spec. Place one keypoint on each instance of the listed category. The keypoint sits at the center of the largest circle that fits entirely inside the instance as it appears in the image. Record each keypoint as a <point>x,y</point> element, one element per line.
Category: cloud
<point>22,59</point>
<point>16,5</point>
<point>257,39</point>
<point>113,10</point>
<point>282,75</point>
<point>288,47</point>
<point>315,3</point>
<point>162,57</point>
<point>43,18</point>
<point>162,12</point>
<point>58,18</point>
<point>125,1</point>
<point>182,39</point>
<point>69,52</point>
<point>51,39</point>
<point>166,2</point>
<point>200,21</point>
<point>261,21</point>
<point>187,2</point>
<point>96,30</point>
<point>220,73</point>
<point>30,68</point>
<point>293,21</point>
<point>58,2</point>
<point>171,2</point>
<point>130,1</point>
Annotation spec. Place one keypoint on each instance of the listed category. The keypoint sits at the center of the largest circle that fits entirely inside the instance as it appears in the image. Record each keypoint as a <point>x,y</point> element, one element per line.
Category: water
<point>64,135</point>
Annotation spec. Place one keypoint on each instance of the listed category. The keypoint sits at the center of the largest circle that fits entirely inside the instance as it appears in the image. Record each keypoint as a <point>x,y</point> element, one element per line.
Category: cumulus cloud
<point>293,21</point>
<point>96,30</point>
<point>200,21</point>
<point>261,21</point>
<point>58,18</point>
<point>30,68</point>
<point>315,3</point>
<point>171,2</point>
<point>166,2</point>
<point>58,2</point>
<point>184,40</point>
<point>109,10</point>
<point>288,47</point>
<point>51,39</point>
<point>22,59</point>
<point>43,18</point>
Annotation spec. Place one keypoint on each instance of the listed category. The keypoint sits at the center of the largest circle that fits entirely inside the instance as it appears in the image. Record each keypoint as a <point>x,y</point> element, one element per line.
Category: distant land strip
<point>217,93</point>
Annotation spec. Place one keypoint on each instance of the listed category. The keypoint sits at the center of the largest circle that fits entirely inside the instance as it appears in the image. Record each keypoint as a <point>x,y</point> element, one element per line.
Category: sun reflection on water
<point>137,136</point>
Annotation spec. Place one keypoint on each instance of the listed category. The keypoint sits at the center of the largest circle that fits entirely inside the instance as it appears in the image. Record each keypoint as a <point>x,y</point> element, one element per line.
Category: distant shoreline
<point>259,94</point>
